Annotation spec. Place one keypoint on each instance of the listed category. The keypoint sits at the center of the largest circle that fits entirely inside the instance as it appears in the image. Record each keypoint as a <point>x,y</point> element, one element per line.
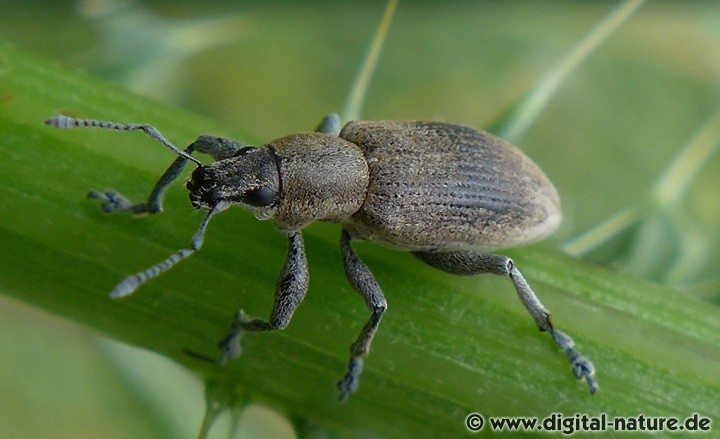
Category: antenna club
<point>66,122</point>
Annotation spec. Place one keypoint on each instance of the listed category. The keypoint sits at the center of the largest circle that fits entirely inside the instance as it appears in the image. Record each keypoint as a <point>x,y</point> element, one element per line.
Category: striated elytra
<point>447,193</point>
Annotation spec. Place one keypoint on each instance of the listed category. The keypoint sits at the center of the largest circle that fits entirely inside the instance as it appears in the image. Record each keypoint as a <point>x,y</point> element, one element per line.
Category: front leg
<point>290,291</point>
<point>365,284</point>
<point>113,202</point>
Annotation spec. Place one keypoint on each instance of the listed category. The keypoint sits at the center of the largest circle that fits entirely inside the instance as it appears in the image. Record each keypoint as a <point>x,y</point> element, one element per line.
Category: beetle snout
<point>201,187</point>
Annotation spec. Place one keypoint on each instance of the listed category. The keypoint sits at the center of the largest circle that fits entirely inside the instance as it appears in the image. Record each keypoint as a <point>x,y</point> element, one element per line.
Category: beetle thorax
<point>322,178</point>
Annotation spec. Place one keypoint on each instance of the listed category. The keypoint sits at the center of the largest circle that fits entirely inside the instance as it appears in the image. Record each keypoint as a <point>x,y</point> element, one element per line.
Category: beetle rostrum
<point>250,179</point>
<point>446,193</point>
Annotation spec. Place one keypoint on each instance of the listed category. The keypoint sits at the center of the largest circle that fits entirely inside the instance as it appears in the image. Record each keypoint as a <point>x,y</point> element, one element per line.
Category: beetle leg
<point>112,202</point>
<point>468,263</point>
<point>290,289</point>
<point>219,148</point>
<point>330,125</point>
<point>364,283</point>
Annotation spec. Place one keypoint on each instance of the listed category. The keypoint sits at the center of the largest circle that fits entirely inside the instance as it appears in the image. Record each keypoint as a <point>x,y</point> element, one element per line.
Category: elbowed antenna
<point>131,283</point>
<point>65,122</point>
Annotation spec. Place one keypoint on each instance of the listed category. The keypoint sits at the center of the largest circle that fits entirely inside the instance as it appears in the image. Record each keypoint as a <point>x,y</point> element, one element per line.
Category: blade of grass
<point>520,116</point>
<point>447,346</point>
<point>672,186</point>
<point>663,197</point>
<point>358,91</point>
<point>586,242</point>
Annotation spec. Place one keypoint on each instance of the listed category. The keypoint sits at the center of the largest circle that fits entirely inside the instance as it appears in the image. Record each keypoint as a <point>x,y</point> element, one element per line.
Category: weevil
<point>448,194</point>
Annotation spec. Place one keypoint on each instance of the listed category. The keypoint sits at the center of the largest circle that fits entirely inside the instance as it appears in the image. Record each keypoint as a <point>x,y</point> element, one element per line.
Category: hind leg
<point>469,263</point>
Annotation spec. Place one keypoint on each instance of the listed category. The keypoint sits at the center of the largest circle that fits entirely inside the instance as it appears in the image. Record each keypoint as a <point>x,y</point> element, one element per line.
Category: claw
<point>351,381</point>
<point>111,202</point>
<point>582,368</point>
<point>230,346</point>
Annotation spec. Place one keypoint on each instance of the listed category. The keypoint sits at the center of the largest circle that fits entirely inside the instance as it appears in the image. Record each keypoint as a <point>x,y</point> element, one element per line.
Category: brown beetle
<point>447,193</point>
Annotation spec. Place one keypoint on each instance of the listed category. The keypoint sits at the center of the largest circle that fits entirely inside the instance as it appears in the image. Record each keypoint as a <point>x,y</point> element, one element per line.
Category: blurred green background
<point>271,68</point>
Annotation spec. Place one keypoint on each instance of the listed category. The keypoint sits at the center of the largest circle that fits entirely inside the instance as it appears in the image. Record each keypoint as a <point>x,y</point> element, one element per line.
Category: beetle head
<point>250,178</point>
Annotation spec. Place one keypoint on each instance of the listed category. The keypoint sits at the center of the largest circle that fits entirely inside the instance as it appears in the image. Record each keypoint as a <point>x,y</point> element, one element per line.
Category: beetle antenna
<point>131,283</point>
<point>65,122</point>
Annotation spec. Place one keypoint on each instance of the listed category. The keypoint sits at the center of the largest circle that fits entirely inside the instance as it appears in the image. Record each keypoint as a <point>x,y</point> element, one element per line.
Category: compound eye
<point>259,197</point>
<point>244,150</point>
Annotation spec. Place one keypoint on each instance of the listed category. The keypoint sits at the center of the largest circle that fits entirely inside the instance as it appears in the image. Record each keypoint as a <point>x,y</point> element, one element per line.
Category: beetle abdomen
<point>440,186</point>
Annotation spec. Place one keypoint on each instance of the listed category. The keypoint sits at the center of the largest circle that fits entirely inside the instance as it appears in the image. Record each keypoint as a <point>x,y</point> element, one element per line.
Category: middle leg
<point>329,125</point>
<point>290,291</point>
<point>365,284</point>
